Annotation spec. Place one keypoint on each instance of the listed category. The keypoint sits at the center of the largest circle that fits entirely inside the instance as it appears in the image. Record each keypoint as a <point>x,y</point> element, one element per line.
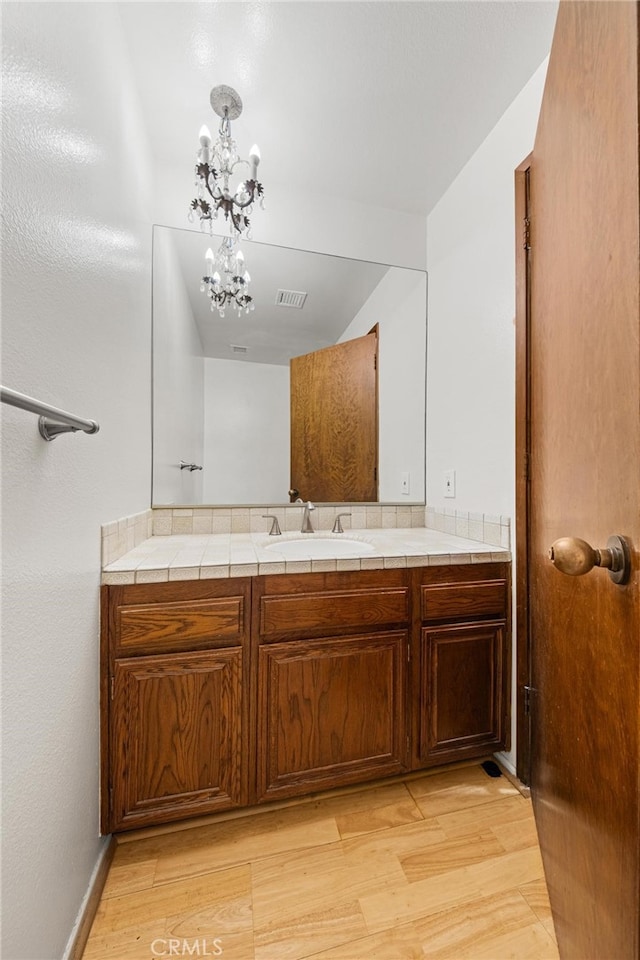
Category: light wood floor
<point>444,864</point>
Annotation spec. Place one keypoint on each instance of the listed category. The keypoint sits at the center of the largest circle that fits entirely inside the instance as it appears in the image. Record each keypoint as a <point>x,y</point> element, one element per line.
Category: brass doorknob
<point>576,557</point>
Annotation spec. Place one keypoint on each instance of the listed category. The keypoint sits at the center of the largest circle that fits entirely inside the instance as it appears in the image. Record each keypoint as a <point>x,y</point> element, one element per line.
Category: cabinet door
<point>462,693</point>
<point>331,711</point>
<point>176,737</point>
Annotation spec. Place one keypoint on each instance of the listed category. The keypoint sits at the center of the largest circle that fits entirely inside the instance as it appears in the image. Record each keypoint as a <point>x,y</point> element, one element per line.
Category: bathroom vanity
<point>232,691</point>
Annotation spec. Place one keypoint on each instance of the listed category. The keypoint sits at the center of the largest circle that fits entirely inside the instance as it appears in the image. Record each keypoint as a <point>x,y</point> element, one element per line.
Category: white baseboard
<point>505,760</point>
<point>82,926</point>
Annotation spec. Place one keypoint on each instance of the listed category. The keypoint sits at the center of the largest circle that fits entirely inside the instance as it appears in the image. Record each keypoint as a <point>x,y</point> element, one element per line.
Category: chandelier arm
<point>251,185</point>
<point>235,164</point>
<point>205,170</point>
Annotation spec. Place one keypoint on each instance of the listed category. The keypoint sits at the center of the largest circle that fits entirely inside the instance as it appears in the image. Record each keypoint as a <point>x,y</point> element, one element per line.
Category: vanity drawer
<point>176,627</point>
<point>445,601</point>
<point>289,607</point>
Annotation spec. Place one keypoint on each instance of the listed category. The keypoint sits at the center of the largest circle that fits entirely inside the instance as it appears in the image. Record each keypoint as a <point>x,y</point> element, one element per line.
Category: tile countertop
<point>205,556</point>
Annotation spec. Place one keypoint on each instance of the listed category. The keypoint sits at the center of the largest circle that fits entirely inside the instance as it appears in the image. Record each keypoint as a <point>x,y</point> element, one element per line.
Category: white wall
<point>397,305</point>
<point>76,250</point>
<point>247,451</point>
<point>471,333</point>
<point>178,382</point>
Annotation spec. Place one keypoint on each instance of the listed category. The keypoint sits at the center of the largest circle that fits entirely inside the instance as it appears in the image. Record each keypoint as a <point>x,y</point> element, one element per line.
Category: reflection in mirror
<point>221,385</point>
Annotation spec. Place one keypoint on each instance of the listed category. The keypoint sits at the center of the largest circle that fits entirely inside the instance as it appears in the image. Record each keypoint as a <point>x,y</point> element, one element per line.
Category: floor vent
<point>290,298</point>
<point>491,768</point>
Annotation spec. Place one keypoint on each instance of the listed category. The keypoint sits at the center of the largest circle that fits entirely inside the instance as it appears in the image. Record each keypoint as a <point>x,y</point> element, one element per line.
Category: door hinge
<point>526,235</point>
<point>375,361</point>
<point>375,473</point>
<point>113,687</point>
<point>408,653</point>
<point>527,700</point>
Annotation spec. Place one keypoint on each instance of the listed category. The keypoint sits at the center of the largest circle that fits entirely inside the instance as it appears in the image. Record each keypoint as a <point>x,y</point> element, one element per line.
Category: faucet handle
<point>337,526</point>
<point>275,526</point>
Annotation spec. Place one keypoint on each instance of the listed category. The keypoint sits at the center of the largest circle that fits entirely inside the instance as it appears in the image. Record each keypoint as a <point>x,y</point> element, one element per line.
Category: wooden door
<point>585,477</point>
<point>334,423</point>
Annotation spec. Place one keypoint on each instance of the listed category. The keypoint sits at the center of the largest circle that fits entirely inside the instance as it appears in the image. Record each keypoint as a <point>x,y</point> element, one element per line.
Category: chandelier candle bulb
<point>254,158</point>
<point>205,143</point>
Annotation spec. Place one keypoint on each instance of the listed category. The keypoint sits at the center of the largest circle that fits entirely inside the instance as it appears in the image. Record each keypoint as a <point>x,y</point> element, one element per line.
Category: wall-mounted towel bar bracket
<point>49,429</point>
<point>51,420</point>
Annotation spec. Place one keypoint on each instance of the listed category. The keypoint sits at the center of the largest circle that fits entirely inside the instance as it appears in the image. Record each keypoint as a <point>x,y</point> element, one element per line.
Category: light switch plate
<point>449,482</point>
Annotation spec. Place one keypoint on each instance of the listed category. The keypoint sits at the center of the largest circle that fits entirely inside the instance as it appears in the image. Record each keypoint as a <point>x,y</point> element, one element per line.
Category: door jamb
<point>522,457</point>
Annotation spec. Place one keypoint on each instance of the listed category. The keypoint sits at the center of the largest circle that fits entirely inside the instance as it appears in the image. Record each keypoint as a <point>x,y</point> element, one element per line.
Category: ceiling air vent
<point>238,349</point>
<point>290,298</point>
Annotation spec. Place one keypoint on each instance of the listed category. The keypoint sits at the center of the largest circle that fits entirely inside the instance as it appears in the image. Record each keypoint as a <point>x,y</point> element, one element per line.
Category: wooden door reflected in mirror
<point>334,422</point>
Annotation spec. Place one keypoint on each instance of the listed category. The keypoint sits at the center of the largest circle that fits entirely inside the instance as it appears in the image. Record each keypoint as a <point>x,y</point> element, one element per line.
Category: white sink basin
<point>325,548</point>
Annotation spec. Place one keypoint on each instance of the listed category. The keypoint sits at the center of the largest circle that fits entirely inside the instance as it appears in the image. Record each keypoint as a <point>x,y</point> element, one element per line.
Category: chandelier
<point>216,164</point>
<point>226,281</point>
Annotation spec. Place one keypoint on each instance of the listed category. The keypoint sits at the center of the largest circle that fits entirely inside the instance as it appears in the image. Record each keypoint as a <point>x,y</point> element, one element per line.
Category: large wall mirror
<point>230,397</point>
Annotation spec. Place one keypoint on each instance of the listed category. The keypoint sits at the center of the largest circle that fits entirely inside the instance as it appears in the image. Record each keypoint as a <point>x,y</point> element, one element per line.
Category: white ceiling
<point>336,289</point>
<point>378,102</point>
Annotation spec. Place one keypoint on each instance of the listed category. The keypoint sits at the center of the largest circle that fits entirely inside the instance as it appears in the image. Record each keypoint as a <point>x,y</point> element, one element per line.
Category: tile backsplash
<point>485,527</point>
<point>120,536</point>
<point>167,521</point>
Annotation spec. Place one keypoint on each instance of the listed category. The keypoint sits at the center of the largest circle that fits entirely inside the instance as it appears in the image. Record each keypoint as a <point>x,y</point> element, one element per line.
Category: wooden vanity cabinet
<point>462,686</point>
<point>175,685</point>
<point>332,678</point>
<point>224,693</point>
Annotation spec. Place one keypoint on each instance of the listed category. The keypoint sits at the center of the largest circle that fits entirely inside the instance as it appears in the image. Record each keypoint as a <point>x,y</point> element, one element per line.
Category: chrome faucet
<point>275,530</point>
<point>337,526</point>
<point>306,518</point>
